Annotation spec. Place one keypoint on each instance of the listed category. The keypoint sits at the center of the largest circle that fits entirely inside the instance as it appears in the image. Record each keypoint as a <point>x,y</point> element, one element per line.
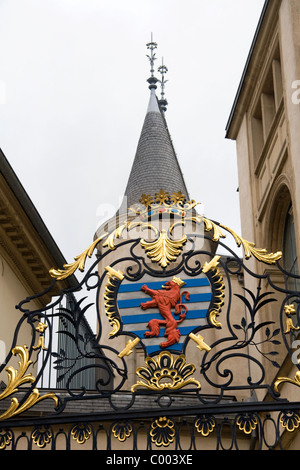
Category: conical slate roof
<point>155,166</point>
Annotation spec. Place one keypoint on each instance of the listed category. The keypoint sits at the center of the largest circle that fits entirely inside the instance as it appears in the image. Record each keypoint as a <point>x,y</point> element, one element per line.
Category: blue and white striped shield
<point>149,324</point>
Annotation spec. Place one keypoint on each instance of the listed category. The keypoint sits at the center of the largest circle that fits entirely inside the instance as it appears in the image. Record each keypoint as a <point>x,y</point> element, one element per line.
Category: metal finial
<point>163,70</point>
<point>152,46</point>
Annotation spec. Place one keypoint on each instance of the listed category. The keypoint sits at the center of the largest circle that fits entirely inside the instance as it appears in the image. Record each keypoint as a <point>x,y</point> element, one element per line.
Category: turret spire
<point>155,166</point>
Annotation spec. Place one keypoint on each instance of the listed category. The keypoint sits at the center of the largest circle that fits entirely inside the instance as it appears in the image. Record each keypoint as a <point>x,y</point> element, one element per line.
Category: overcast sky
<point>73,96</point>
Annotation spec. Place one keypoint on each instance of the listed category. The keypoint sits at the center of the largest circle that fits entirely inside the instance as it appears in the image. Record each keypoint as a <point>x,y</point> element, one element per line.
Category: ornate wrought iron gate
<point>193,349</point>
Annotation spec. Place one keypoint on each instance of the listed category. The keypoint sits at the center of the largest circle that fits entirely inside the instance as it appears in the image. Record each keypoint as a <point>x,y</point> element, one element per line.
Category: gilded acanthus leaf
<point>281,380</point>
<point>79,263</point>
<point>110,242</point>
<point>163,250</point>
<point>261,254</point>
<point>16,378</point>
<point>210,225</point>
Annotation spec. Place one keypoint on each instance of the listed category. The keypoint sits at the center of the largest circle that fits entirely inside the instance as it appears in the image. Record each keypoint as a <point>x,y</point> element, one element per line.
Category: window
<point>290,257</point>
<point>267,105</point>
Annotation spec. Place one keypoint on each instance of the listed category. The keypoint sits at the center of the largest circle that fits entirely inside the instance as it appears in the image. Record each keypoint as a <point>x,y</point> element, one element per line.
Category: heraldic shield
<point>167,288</point>
<point>163,313</point>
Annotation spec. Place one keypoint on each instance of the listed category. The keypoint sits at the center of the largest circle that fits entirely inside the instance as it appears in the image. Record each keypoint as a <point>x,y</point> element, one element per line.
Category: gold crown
<point>178,281</point>
<point>175,204</point>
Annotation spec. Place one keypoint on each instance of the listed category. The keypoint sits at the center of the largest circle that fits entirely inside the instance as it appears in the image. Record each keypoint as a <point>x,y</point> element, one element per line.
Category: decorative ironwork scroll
<point>178,332</point>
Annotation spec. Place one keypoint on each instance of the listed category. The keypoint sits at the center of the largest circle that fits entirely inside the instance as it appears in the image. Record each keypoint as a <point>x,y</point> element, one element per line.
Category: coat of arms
<point>163,314</point>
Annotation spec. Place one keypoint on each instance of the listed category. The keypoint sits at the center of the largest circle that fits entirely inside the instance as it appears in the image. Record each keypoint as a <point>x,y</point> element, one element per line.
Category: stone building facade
<point>264,122</point>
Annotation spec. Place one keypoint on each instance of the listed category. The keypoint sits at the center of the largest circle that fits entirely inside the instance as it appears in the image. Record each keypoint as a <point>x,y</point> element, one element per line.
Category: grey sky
<point>74,95</point>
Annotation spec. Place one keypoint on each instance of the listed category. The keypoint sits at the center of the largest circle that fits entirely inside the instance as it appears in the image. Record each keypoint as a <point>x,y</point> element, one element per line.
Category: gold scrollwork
<point>79,263</point>
<point>281,380</point>
<point>17,378</point>
<point>261,254</point>
<point>250,249</point>
<point>212,226</point>
<point>109,298</point>
<point>164,250</point>
<point>117,233</point>
<point>166,372</point>
<point>219,290</point>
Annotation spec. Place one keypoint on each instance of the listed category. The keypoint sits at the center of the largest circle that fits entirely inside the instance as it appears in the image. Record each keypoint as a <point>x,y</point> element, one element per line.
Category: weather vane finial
<point>163,70</point>
<point>152,46</point>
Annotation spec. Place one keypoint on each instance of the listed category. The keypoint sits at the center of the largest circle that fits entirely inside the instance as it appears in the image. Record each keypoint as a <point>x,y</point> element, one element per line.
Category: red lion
<point>164,300</point>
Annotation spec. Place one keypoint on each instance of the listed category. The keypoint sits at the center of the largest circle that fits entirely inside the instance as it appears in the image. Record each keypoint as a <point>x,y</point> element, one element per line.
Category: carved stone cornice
<point>22,247</point>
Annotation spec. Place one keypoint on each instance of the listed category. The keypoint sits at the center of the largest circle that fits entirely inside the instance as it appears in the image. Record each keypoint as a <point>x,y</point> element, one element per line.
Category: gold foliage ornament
<point>290,421</point>
<point>109,304</point>
<point>220,290</point>
<point>117,233</point>
<point>42,436</point>
<point>162,432</point>
<point>6,436</point>
<point>163,250</point>
<point>211,226</point>
<point>166,372</point>
<point>250,249</point>
<point>205,425</point>
<point>247,423</point>
<point>281,380</point>
<point>16,378</point>
<point>261,254</point>
<point>81,433</point>
<point>122,430</point>
<point>69,269</point>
